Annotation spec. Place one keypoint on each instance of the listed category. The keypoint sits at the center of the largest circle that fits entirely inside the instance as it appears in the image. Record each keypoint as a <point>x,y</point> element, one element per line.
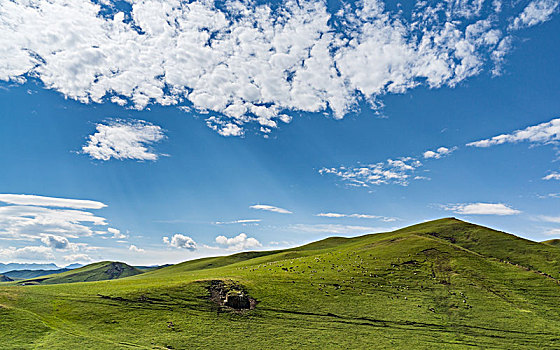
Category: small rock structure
<point>231,295</point>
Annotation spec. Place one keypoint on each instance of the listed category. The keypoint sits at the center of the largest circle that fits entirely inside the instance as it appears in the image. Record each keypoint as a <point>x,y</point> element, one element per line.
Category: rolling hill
<point>553,242</point>
<point>440,284</point>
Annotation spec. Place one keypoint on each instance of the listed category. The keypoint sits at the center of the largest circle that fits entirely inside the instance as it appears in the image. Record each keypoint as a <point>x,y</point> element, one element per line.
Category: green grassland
<point>444,284</point>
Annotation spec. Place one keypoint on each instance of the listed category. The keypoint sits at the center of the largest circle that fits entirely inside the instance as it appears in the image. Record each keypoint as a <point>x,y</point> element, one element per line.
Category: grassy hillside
<point>553,242</point>
<point>105,270</point>
<point>442,284</point>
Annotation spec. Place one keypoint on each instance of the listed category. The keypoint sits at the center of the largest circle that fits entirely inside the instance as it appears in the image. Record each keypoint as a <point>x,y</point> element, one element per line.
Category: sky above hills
<point>160,131</point>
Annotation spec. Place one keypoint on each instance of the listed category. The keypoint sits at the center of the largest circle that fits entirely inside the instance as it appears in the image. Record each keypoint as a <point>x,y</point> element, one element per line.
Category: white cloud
<point>135,249</point>
<point>27,199</point>
<point>481,209</point>
<point>440,152</point>
<point>543,133</point>
<point>122,139</point>
<point>390,172</point>
<point>31,222</point>
<point>538,11</point>
<point>116,233</point>
<point>58,242</point>
<point>336,229</point>
<point>357,216</point>
<point>552,176</point>
<point>180,241</point>
<point>242,221</point>
<point>80,258</point>
<point>239,242</point>
<point>555,219</point>
<point>247,62</point>
<point>27,253</point>
<point>270,208</point>
<point>553,232</point>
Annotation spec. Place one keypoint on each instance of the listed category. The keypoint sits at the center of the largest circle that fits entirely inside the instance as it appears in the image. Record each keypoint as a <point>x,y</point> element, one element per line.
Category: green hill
<point>4,278</point>
<point>553,242</point>
<point>441,284</point>
<point>105,270</point>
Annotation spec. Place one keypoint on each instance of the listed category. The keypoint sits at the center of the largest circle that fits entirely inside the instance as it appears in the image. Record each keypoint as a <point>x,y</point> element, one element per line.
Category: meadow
<point>441,284</point>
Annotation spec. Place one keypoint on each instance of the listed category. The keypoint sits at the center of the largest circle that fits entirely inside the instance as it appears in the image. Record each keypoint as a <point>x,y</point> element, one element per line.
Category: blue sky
<point>222,132</point>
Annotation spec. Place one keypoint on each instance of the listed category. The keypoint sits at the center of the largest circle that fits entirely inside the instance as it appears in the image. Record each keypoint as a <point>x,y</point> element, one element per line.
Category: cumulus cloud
<point>26,199</point>
<point>357,216</point>
<point>122,139</point>
<point>116,233</point>
<point>27,253</point>
<point>440,152</point>
<point>135,249</point>
<point>543,133</point>
<point>481,209</point>
<point>271,208</point>
<point>239,242</point>
<point>248,62</point>
<point>399,172</point>
<point>552,176</point>
<point>58,242</point>
<point>180,241</point>
<point>537,12</point>
<point>77,258</point>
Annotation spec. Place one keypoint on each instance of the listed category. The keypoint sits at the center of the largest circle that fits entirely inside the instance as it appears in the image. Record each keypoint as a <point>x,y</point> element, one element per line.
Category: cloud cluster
<point>33,221</point>
<point>536,12</point>
<point>239,242</point>
<point>398,172</point>
<point>135,249</point>
<point>552,176</point>
<point>481,209</point>
<point>544,133</point>
<point>122,139</point>
<point>180,241</point>
<point>270,208</point>
<point>249,62</point>
<point>35,253</point>
<point>440,152</point>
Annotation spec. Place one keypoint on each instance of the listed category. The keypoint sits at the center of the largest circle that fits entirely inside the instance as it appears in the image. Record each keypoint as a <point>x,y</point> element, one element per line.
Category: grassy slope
<point>552,242</point>
<point>405,289</point>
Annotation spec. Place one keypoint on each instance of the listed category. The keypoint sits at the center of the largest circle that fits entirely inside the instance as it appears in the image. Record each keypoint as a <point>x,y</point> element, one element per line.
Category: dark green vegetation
<point>444,284</point>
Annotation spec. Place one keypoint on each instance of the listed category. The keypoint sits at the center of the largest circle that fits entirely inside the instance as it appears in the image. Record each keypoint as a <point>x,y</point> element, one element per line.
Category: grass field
<point>445,284</point>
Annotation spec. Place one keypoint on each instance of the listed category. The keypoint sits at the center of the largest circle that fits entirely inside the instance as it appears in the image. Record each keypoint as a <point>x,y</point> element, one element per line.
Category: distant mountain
<point>152,267</point>
<point>105,270</point>
<point>26,274</point>
<point>32,266</point>
<point>5,279</point>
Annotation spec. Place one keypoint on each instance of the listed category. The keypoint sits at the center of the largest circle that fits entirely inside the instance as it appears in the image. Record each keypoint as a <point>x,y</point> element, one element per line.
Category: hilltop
<point>552,242</point>
<point>440,284</point>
